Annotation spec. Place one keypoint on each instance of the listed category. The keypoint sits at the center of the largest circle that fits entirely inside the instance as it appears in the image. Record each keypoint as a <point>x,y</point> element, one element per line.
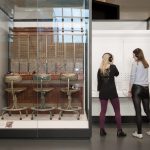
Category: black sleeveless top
<point>106,83</point>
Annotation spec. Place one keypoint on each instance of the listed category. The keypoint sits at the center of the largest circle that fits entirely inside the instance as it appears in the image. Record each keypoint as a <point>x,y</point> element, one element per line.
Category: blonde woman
<point>139,89</point>
<point>107,91</point>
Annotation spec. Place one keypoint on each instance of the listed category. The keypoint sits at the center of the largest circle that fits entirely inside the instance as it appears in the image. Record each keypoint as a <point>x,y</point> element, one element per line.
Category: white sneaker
<point>148,133</point>
<point>135,134</point>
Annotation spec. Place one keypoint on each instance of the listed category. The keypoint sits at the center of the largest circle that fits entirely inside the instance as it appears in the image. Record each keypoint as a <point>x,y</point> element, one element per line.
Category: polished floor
<point>110,142</point>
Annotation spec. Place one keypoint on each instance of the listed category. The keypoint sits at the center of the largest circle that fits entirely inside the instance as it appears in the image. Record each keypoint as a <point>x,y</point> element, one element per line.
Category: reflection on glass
<point>78,20</point>
<point>67,20</point>
<point>67,12</point>
<point>85,13</point>
<point>76,12</point>
<point>67,38</point>
<point>57,12</point>
<point>77,39</point>
<point>67,24</point>
<point>59,39</point>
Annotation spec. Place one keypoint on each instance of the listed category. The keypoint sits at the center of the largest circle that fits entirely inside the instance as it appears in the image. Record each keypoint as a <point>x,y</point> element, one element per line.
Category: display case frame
<point>63,133</point>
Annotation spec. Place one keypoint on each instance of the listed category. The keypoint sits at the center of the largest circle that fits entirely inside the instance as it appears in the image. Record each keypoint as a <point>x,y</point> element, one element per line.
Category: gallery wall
<point>120,43</point>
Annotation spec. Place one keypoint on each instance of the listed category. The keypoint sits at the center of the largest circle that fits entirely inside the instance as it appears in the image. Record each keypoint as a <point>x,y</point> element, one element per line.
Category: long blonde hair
<point>107,59</point>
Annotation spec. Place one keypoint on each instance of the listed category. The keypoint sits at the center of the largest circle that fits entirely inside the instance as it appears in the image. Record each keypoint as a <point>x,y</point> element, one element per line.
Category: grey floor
<point>110,142</point>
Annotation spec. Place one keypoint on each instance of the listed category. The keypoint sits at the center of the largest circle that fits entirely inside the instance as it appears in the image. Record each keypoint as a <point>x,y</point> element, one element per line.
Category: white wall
<point>119,25</point>
<point>120,43</point>
<point>3,54</point>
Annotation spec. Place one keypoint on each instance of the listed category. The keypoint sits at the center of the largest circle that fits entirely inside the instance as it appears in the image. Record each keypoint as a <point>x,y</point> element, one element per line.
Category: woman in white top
<point>139,89</point>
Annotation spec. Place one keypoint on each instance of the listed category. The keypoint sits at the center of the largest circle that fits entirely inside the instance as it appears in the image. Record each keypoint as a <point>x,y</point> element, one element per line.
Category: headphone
<point>110,57</point>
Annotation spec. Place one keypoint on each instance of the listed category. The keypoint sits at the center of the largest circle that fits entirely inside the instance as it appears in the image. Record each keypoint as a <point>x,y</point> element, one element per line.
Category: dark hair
<point>110,57</point>
<point>140,57</point>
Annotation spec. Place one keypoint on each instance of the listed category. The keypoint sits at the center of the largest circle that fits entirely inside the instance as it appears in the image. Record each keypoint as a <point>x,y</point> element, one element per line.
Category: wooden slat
<point>23,46</point>
<point>30,45</point>
<point>79,50</point>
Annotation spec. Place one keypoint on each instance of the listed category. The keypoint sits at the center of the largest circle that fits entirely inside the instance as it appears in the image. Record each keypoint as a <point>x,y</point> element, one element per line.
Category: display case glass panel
<point>148,23</point>
<point>48,77</point>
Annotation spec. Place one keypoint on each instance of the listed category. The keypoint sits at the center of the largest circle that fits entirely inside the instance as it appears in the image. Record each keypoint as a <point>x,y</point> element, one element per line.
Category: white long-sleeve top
<point>139,74</point>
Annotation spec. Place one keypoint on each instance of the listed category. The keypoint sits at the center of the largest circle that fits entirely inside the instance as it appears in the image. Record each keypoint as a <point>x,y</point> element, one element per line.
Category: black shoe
<point>120,133</point>
<point>102,132</point>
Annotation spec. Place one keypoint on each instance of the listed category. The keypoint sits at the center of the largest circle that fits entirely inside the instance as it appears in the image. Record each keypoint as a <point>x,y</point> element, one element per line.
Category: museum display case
<point>47,81</point>
<point>148,23</point>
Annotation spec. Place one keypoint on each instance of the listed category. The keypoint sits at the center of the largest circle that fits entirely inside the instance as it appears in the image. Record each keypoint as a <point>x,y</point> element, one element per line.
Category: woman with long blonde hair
<point>107,91</point>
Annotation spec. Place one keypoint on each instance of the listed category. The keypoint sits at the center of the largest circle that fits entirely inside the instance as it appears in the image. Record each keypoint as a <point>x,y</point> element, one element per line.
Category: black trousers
<point>140,94</point>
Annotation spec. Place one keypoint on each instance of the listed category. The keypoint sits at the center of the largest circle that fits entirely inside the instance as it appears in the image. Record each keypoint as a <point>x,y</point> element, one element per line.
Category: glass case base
<point>40,121</point>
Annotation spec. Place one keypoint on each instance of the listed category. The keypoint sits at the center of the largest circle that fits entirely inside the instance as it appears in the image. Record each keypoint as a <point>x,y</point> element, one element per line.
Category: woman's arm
<point>115,71</point>
<point>98,80</point>
<point>132,75</point>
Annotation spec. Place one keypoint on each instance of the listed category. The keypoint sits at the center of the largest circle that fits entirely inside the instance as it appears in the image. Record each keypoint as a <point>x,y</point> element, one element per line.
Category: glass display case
<point>148,23</point>
<point>47,84</point>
